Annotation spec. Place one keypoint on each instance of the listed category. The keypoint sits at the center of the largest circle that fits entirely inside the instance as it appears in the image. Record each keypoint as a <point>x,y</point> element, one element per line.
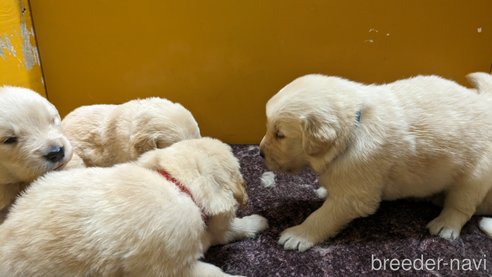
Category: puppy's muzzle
<point>55,154</point>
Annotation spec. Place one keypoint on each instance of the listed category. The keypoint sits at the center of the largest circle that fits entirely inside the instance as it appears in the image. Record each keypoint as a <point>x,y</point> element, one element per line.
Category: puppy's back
<point>99,221</point>
<point>81,122</point>
<point>442,102</point>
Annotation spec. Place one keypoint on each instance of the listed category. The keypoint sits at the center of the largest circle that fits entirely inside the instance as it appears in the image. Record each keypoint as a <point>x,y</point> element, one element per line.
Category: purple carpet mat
<point>392,242</point>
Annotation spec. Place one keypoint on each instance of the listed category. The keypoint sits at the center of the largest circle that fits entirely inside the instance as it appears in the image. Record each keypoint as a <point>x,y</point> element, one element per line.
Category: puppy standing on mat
<point>410,138</point>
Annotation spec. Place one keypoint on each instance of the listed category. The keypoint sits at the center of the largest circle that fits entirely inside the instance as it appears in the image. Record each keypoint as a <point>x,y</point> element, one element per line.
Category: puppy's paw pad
<point>295,238</point>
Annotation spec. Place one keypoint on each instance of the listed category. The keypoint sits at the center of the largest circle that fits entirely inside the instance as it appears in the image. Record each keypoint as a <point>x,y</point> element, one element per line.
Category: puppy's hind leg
<point>461,202</point>
<point>240,228</point>
<point>201,269</point>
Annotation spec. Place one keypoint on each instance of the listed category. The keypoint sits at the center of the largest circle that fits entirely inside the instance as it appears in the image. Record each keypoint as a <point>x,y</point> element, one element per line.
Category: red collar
<point>183,189</point>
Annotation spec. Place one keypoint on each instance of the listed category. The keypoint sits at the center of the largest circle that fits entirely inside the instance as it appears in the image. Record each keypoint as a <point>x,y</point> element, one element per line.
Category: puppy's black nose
<point>262,154</point>
<point>56,154</point>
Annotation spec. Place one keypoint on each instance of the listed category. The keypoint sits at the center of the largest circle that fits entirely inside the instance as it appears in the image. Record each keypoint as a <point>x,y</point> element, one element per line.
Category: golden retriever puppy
<point>483,83</point>
<point>31,140</point>
<point>152,217</point>
<point>103,135</point>
<point>411,138</point>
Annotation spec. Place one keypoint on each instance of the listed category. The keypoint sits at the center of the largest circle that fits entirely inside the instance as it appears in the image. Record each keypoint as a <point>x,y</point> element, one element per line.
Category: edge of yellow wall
<point>20,64</point>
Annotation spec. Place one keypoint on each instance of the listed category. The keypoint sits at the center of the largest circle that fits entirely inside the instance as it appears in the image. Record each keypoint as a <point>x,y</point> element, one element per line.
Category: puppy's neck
<point>343,143</point>
<point>197,176</point>
<point>183,189</point>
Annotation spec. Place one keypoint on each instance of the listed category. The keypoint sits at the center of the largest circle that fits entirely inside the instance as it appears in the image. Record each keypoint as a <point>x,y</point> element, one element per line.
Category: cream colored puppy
<point>103,135</point>
<point>368,143</point>
<point>31,140</point>
<point>483,83</point>
<point>153,217</point>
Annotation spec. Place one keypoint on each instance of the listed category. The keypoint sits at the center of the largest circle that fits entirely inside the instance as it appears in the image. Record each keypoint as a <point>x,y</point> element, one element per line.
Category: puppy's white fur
<point>29,130</point>
<point>103,135</point>
<point>483,82</point>
<point>415,138</point>
<point>128,220</point>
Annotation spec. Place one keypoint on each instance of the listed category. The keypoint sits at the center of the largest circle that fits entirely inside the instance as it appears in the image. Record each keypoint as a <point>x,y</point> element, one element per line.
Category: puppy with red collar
<point>153,217</point>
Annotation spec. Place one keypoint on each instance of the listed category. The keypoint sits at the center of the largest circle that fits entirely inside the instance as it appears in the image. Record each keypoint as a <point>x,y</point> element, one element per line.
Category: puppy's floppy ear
<point>239,193</point>
<point>317,135</point>
<point>222,193</point>
<point>142,143</point>
<point>216,199</point>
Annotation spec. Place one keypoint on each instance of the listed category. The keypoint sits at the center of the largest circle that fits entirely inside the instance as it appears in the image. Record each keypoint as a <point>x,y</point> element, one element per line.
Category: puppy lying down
<point>31,140</point>
<point>103,135</point>
<point>153,217</point>
<point>410,138</point>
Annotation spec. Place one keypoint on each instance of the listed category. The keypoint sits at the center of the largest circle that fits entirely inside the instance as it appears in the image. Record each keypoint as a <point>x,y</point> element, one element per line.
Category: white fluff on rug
<point>321,192</point>
<point>268,179</point>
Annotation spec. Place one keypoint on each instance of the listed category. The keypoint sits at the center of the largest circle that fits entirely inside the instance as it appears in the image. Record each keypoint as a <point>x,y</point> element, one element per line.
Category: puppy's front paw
<point>439,226</point>
<point>486,226</point>
<point>296,238</point>
<point>253,224</point>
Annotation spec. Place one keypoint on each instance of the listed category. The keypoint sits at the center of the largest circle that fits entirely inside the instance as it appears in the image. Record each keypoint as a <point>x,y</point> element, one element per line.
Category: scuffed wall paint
<point>6,47</point>
<point>19,58</point>
<point>29,49</point>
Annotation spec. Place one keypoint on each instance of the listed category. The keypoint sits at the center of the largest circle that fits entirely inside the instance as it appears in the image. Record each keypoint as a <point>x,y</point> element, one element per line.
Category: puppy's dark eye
<point>279,135</point>
<point>10,140</point>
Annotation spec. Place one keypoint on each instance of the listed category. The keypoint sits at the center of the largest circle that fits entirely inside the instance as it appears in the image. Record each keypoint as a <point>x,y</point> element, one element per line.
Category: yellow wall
<point>19,59</point>
<point>224,59</point>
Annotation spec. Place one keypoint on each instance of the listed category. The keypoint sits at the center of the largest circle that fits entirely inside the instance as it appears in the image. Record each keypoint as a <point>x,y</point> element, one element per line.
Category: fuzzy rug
<point>392,242</point>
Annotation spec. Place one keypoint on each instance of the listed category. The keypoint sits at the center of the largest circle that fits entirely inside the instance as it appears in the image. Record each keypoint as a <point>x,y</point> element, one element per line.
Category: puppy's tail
<point>486,226</point>
<point>482,82</point>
